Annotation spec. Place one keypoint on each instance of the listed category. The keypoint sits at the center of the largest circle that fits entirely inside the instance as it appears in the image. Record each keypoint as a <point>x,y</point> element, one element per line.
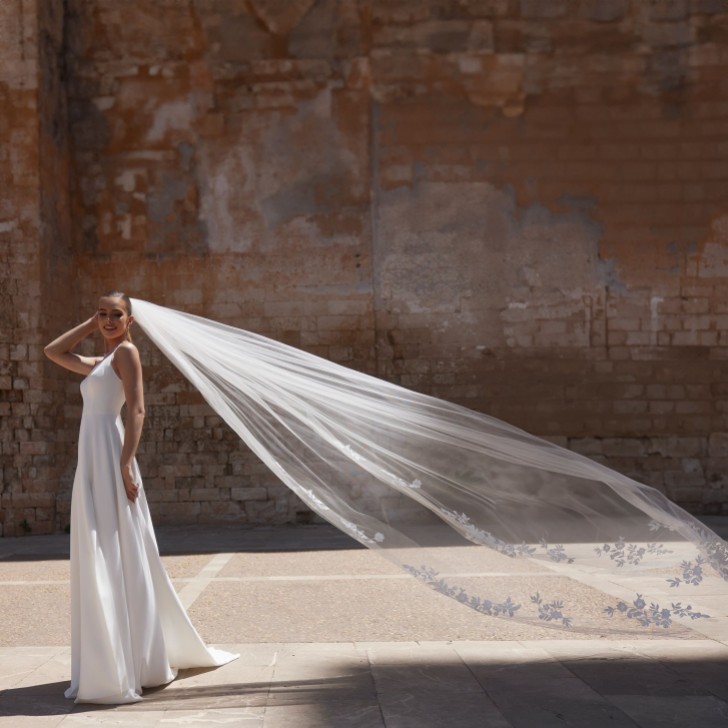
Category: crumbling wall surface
<point>221,154</point>
<point>550,224</point>
<point>34,266</point>
<point>513,204</point>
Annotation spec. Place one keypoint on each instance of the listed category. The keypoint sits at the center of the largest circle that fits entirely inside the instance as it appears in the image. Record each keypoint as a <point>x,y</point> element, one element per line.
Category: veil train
<point>506,523</point>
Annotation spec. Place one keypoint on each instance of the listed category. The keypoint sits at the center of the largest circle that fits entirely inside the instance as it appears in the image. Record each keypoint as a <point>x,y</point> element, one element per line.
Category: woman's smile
<point>113,320</point>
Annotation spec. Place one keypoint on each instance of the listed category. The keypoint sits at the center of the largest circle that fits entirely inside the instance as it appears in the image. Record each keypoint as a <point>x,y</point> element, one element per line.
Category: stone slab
<point>308,657</point>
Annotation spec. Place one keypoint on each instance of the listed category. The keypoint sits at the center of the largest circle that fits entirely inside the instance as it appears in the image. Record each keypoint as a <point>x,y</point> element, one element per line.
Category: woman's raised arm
<point>60,350</point>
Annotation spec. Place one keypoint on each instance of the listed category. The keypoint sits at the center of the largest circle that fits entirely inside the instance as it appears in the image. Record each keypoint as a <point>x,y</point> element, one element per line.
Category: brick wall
<point>35,264</point>
<point>520,206</point>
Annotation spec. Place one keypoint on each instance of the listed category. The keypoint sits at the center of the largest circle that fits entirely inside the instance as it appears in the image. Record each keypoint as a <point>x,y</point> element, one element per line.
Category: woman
<point>129,629</point>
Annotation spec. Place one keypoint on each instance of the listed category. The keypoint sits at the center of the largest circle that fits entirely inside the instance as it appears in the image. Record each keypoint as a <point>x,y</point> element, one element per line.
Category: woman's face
<point>113,318</point>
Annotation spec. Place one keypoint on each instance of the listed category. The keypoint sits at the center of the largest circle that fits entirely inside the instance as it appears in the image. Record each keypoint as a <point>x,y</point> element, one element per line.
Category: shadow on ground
<point>189,540</point>
<point>629,691</point>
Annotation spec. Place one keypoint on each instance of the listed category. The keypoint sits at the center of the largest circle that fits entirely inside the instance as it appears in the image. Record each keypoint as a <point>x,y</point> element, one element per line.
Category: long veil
<point>506,523</point>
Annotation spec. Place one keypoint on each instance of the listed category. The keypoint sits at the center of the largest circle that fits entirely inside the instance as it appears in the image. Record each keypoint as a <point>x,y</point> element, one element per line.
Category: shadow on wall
<point>626,690</point>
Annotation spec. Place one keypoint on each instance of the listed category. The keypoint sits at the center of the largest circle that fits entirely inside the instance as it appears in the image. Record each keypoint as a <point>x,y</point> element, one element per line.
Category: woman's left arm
<point>129,368</point>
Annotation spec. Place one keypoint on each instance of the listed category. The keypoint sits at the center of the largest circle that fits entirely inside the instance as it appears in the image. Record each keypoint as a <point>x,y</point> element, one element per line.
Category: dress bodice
<point>102,390</point>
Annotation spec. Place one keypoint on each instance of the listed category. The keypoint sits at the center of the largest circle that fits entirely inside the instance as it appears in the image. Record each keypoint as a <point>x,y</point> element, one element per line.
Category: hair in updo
<point>127,303</point>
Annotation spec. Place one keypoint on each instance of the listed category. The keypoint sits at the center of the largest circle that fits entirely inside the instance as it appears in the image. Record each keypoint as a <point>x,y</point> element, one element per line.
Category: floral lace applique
<point>354,530</point>
<point>653,615</point>
<point>314,499</point>
<point>714,549</point>
<point>495,609</point>
<point>550,611</point>
<point>486,538</point>
<point>656,526</point>
<point>692,574</point>
<point>347,450</point>
<point>416,484</point>
<point>547,611</point>
<point>556,552</point>
<point>623,553</point>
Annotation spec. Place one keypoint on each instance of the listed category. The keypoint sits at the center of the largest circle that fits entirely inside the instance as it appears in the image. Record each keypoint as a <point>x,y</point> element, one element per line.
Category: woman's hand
<point>131,487</point>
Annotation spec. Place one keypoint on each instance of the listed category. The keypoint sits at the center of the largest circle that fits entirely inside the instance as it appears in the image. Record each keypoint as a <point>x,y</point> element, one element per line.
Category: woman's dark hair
<point>127,303</point>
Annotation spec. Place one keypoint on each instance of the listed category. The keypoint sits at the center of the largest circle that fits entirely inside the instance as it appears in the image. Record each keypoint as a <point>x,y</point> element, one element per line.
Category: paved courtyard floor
<point>332,635</point>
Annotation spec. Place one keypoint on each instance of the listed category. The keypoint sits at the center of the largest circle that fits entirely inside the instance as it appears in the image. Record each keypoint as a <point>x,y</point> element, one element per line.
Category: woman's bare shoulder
<point>128,347</point>
<point>126,354</point>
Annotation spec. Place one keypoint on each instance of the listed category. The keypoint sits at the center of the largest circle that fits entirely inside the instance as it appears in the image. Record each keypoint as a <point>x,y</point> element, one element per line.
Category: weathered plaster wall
<point>549,219</point>
<point>35,263</point>
<point>514,204</point>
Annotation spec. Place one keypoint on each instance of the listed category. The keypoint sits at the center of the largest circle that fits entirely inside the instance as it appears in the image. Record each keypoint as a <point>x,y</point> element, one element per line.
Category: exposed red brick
<point>517,205</point>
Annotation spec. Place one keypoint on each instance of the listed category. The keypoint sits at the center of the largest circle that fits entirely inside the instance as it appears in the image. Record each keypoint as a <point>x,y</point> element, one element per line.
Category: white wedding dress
<point>129,629</point>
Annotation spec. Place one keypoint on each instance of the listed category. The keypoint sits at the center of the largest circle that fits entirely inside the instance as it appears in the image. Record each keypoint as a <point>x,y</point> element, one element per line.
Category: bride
<point>129,629</point>
<point>508,524</point>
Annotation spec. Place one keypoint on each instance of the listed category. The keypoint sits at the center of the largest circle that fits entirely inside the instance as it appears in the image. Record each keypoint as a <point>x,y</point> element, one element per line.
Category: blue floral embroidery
<point>480,536</point>
<point>691,574</point>
<point>547,611</point>
<point>653,614</point>
<point>713,548</point>
<point>495,609</point>
<point>556,552</point>
<point>657,549</point>
<point>656,526</point>
<point>486,538</point>
<point>550,611</point>
<point>629,553</point>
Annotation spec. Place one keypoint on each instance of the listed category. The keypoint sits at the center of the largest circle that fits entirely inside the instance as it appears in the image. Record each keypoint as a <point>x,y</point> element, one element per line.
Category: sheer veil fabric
<point>508,524</point>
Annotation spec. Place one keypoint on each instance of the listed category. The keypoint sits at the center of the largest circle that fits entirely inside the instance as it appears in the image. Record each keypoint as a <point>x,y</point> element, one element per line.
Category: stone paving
<point>333,635</point>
